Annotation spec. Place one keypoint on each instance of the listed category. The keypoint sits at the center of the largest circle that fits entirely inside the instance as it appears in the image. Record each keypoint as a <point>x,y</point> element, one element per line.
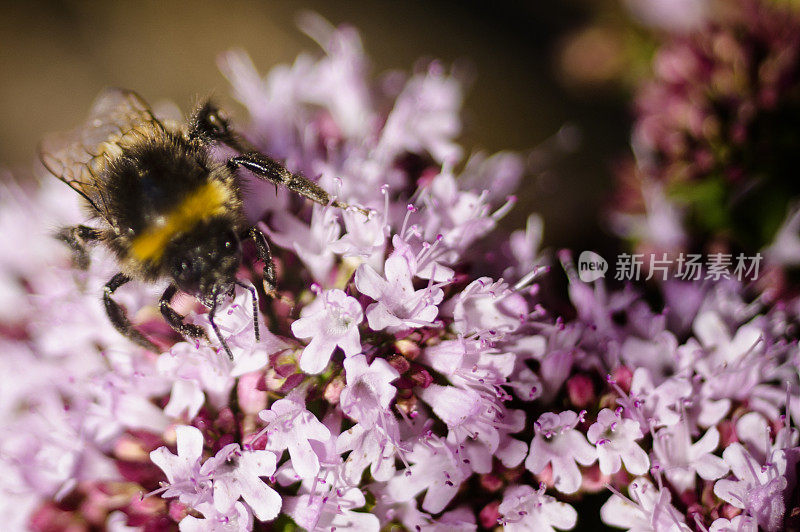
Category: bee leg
<point>175,320</point>
<point>211,313</point>
<point>118,317</point>
<point>78,238</point>
<point>273,171</point>
<point>255,307</point>
<point>210,124</point>
<point>264,255</point>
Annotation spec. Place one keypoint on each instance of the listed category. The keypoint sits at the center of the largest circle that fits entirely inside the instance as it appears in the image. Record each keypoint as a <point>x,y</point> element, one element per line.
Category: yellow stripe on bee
<point>206,201</point>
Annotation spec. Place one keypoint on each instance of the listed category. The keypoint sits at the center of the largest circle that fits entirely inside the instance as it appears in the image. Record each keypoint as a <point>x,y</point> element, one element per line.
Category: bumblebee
<point>164,206</point>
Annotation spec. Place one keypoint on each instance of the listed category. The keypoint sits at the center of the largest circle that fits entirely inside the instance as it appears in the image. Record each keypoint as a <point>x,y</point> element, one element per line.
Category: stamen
<point>529,277</point>
<point>699,522</point>
<point>505,208</point>
<point>409,209</point>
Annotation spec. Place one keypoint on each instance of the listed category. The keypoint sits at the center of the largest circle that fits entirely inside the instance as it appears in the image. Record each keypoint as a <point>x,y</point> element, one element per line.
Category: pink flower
<point>48,454</point>
<point>310,242</point>
<point>237,520</point>
<point>235,322</point>
<point>658,405</point>
<point>488,309</point>
<point>615,439</point>
<point>740,523</point>
<point>366,399</point>
<point>681,459</point>
<point>186,398</point>
<point>723,349</point>
<point>647,509</point>
<point>524,247</point>
<point>398,305</point>
<point>333,511</point>
<point>371,446</point>
<point>471,364</point>
<point>498,174</point>
<point>197,372</point>
<point>460,216</point>
<point>461,519</point>
<point>759,489</point>
<point>657,354</point>
<point>368,393</point>
<point>330,320</point>
<point>290,426</point>
<point>438,468</point>
<point>330,461</point>
<point>753,431</point>
<point>558,443</point>
<point>236,473</point>
<point>526,509</point>
<point>467,414</point>
<point>364,237</point>
<point>424,117</point>
<point>186,481</point>
<point>424,259</point>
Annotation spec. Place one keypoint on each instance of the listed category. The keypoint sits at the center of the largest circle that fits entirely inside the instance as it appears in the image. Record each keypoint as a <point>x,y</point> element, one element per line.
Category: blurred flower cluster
<point>409,373</point>
<point>715,136</point>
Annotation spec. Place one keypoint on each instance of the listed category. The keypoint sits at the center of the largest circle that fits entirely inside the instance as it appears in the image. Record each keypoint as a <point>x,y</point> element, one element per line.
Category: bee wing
<point>114,112</point>
<point>78,157</point>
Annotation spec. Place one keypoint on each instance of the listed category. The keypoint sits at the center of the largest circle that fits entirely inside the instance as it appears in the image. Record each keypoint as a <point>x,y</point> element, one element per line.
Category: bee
<point>164,206</point>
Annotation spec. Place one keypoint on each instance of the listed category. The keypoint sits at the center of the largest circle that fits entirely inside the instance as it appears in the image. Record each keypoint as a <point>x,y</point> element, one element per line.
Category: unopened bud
<point>580,389</point>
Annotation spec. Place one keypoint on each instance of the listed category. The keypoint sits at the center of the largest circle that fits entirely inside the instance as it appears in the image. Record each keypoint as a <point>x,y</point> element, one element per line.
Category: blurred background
<point>535,70</point>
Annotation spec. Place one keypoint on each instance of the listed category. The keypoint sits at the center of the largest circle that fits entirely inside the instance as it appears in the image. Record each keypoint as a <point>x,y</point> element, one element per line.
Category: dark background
<point>56,56</point>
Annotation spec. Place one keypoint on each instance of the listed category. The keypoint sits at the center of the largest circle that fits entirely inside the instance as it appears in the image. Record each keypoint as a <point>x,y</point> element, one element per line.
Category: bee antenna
<point>346,206</point>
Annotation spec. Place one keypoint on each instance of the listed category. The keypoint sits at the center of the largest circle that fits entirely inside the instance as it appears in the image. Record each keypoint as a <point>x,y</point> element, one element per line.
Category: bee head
<point>204,261</point>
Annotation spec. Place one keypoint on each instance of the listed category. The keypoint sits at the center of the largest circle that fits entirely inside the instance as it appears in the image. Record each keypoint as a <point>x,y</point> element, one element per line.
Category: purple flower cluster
<point>714,135</point>
<point>407,372</point>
